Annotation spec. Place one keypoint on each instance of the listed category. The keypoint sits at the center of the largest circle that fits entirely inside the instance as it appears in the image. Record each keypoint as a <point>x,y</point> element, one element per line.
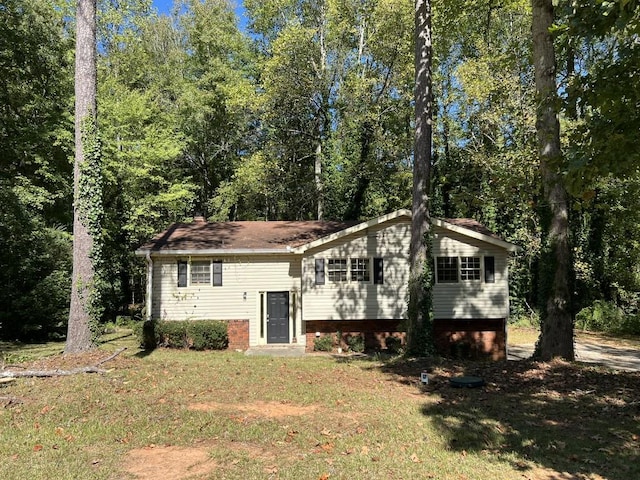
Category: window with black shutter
<point>182,274</point>
<point>489,269</point>
<point>378,271</point>
<point>319,271</point>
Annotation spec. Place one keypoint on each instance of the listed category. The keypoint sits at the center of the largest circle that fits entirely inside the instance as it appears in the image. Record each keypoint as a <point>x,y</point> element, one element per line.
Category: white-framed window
<point>447,269</point>
<point>464,269</point>
<point>356,269</point>
<point>201,272</point>
<point>360,270</point>
<point>469,268</point>
<point>337,269</point>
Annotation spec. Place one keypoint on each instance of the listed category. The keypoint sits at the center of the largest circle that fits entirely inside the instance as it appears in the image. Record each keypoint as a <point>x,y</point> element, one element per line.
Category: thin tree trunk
<point>79,331</point>
<point>321,129</point>
<point>419,278</point>
<point>318,180</point>
<point>556,337</point>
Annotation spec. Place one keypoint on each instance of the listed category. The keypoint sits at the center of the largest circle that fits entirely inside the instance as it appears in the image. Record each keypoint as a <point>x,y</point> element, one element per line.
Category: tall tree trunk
<point>556,336</point>
<point>79,336</point>
<point>419,331</point>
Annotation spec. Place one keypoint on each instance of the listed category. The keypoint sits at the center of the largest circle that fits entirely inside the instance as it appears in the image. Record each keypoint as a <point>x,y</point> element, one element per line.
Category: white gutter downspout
<point>149,297</point>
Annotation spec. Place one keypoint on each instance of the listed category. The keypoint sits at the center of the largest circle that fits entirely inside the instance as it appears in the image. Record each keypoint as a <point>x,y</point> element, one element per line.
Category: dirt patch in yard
<point>257,409</point>
<point>539,473</point>
<point>177,463</point>
<point>169,463</point>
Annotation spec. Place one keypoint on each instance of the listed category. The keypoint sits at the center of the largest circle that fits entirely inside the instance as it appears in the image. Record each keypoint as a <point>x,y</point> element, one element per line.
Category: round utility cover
<point>469,382</point>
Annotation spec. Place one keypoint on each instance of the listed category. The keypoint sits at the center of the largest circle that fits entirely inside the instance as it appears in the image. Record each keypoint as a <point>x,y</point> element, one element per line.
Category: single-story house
<point>288,282</point>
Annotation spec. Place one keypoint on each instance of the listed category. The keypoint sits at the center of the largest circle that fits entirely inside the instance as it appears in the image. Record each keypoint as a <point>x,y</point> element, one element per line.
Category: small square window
<point>470,268</point>
<point>337,269</point>
<point>201,273</point>
<point>447,269</point>
<point>360,270</point>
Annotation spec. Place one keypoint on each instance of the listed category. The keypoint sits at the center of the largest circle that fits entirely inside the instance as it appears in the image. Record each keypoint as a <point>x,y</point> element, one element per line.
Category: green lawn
<point>178,414</point>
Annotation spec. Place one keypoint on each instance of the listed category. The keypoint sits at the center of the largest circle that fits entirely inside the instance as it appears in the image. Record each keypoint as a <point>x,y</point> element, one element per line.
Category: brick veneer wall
<point>238,332</point>
<point>374,331</point>
<point>471,338</point>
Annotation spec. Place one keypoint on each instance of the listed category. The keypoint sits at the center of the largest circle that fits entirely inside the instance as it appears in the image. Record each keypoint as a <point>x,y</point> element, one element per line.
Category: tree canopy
<point>307,112</point>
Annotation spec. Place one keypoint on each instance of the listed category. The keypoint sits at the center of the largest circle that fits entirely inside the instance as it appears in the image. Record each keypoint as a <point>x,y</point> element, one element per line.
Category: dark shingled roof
<point>471,224</point>
<point>258,235</point>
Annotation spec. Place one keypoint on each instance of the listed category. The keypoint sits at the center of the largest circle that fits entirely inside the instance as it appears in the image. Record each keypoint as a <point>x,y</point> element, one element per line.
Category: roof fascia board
<point>215,251</point>
<point>354,229</point>
<point>477,235</point>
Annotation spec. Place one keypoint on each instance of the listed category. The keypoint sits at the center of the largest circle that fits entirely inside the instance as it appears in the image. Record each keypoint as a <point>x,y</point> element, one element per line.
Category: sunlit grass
<point>317,417</point>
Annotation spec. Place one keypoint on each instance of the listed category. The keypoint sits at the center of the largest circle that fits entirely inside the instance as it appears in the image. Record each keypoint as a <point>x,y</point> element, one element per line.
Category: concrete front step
<point>277,350</point>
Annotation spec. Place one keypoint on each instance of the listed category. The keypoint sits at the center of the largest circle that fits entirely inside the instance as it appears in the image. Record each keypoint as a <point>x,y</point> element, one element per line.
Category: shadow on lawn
<point>566,417</point>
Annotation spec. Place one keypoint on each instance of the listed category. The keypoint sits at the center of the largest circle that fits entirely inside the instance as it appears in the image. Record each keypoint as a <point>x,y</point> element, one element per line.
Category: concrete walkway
<point>618,358</point>
<point>277,350</point>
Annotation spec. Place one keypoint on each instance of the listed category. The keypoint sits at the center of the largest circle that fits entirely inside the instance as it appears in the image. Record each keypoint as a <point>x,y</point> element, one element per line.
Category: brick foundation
<point>374,331</point>
<point>469,338</point>
<point>238,332</point>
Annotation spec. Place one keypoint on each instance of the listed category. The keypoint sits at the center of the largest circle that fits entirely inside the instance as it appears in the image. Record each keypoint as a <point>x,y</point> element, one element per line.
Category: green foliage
<point>91,214</point>
<point>194,334</point>
<point>420,339</point>
<point>323,343</point>
<point>35,272</point>
<point>607,317</point>
<point>36,139</point>
<point>147,334</point>
<point>207,335</point>
<point>393,344</point>
<point>355,343</point>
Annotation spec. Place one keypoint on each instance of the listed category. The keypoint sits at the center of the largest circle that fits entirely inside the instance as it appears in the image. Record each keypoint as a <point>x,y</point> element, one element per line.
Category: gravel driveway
<point>619,358</point>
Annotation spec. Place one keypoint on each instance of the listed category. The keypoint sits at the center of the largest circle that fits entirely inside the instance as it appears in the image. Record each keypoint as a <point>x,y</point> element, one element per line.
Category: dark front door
<point>277,317</point>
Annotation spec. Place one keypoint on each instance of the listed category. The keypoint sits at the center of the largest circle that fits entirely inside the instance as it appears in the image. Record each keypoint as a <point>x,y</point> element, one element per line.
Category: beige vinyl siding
<point>250,274</point>
<point>357,300</point>
<point>472,298</point>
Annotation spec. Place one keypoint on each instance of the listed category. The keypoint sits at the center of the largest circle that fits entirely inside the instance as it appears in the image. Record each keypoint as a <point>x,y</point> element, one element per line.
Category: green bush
<point>108,328</point>
<point>600,317</point>
<point>394,344</point>
<point>173,334</point>
<point>207,335</point>
<point>356,343</point>
<point>607,317</point>
<point>323,344</point>
<point>197,334</point>
<point>124,321</point>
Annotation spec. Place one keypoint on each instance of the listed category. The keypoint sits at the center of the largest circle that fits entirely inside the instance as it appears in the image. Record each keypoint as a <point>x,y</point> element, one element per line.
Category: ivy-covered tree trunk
<point>419,332</point>
<point>79,335</point>
<point>556,336</point>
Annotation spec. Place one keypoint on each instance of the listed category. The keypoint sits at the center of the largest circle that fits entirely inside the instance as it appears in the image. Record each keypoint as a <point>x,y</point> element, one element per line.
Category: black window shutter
<point>217,273</point>
<point>319,271</point>
<point>378,271</point>
<point>182,274</point>
<point>489,269</point>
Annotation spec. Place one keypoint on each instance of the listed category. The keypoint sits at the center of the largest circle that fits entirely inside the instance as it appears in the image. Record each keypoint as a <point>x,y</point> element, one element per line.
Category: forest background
<point>305,112</point>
